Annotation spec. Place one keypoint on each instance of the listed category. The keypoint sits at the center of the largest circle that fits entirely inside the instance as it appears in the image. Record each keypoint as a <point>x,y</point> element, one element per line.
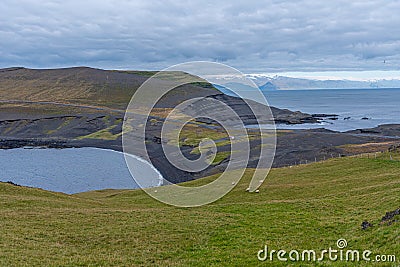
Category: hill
<point>82,85</point>
<point>304,207</point>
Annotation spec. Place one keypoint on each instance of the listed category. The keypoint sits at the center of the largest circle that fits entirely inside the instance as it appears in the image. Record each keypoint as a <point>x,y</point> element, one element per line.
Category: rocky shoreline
<point>293,147</point>
<point>102,129</point>
<point>9,143</point>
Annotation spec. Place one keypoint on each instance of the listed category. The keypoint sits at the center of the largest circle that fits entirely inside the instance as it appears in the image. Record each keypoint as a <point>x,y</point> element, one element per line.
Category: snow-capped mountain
<point>289,83</point>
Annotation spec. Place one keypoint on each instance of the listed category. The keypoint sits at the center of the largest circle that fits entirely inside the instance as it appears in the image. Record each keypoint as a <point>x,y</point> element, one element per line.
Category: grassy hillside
<point>304,207</point>
<point>81,85</point>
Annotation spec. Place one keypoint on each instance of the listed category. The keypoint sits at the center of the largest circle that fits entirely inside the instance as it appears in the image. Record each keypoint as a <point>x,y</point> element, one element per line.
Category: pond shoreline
<point>75,170</point>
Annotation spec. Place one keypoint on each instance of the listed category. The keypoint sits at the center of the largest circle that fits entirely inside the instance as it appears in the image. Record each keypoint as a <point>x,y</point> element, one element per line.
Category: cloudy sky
<point>253,36</point>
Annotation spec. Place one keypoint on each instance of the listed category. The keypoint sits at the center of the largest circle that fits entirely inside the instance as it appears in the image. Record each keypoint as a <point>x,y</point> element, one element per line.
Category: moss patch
<point>103,134</point>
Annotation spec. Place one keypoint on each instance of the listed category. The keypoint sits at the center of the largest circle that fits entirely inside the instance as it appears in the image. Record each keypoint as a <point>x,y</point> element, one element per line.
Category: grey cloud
<point>250,35</point>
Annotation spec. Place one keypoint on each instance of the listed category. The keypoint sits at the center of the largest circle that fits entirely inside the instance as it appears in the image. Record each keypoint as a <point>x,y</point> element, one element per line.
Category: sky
<point>320,38</point>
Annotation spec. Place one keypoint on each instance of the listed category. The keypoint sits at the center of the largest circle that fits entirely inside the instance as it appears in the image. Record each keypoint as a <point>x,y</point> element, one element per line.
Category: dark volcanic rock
<point>365,225</point>
<point>12,183</point>
<point>389,217</point>
<point>322,115</point>
<point>394,148</point>
<point>246,114</point>
<point>18,143</point>
<point>383,130</point>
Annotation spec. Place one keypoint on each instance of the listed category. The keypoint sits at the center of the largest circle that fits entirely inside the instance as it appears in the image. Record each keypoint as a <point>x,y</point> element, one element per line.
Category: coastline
<point>293,147</point>
<point>37,110</point>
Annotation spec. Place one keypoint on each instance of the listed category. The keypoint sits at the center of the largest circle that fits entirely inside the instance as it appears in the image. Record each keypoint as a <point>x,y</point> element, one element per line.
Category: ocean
<point>380,106</point>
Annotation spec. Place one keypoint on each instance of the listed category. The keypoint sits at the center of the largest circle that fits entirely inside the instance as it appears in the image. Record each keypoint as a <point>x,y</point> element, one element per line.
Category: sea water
<point>357,108</point>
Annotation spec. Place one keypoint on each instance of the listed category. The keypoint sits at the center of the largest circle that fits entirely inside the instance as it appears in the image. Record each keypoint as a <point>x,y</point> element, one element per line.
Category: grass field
<point>304,207</point>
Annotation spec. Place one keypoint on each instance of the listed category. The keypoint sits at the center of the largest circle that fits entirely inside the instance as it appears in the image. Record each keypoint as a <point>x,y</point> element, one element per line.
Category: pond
<point>73,170</point>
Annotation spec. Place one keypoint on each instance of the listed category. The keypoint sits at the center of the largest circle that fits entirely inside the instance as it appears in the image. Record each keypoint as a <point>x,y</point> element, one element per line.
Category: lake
<point>72,170</point>
<point>380,106</point>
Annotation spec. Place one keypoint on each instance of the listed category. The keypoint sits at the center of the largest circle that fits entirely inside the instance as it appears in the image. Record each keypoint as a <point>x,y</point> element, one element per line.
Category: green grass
<point>103,134</point>
<point>220,156</point>
<point>304,207</point>
<point>193,134</point>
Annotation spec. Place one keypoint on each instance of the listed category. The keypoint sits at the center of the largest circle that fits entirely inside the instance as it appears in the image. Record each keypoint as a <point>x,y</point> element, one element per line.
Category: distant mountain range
<point>288,83</point>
